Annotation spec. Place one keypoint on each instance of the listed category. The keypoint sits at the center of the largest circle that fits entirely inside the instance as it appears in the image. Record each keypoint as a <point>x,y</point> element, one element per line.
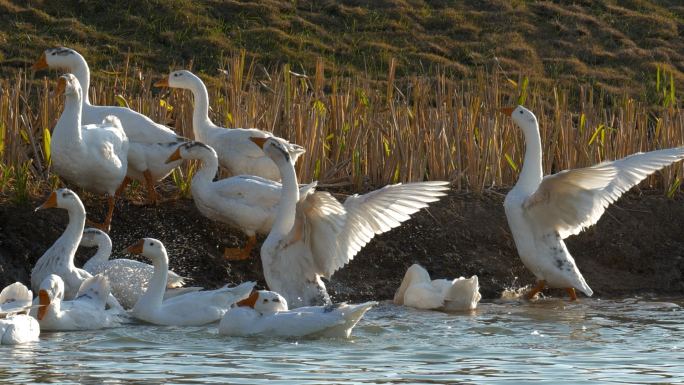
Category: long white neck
<point>154,295</point>
<point>73,232</point>
<point>531,174</point>
<point>200,116</point>
<point>209,168</point>
<point>82,72</point>
<point>104,251</point>
<point>69,123</point>
<point>414,275</point>
<point>289,197</point>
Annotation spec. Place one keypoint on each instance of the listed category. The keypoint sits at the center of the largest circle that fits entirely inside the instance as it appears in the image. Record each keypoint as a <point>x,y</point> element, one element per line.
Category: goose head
<point>58,58</point>
<point>192,150</point>
<point>264,301</point>
<point>523,117</point>
<point>95,237</point>
<point>63,199</point>
<point>51,288</point>
<point>273,149</point>
<point>179,79</point>
<point>67,84</point>
<point>151,248</point>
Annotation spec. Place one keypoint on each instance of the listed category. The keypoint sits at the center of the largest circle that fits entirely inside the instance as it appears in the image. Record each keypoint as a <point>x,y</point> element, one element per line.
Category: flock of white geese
<point>310,234</point>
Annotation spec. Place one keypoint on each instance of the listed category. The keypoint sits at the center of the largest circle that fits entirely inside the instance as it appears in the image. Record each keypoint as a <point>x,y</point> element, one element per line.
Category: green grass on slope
<point>617,46</point>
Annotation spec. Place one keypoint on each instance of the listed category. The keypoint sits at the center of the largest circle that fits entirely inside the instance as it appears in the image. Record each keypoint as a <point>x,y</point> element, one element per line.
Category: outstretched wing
<point>337,232</point>
<point>571,200</point>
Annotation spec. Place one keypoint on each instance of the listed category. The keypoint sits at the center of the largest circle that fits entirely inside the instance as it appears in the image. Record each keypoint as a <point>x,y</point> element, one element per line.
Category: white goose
<point>245,201</point>
<point>235,151</point>
<point>59,258</point>
<point>417,290</point>
<point>190,309</point>
<point>94,156</point>
<point>127,278</point>
<point>266,313</point>
<point>314,235</point>
<point>85,312</point>
<point>16,327</point>
<point>150,143</point>
<point>544,210</point>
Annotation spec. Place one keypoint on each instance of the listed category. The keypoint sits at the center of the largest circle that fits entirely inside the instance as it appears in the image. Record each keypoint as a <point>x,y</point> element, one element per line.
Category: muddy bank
<point>637,248</point>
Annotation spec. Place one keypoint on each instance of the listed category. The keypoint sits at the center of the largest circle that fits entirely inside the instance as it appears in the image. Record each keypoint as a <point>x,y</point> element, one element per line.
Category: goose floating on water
<point>417,290</point>
<point>266,313</point>
<point>16,327</point>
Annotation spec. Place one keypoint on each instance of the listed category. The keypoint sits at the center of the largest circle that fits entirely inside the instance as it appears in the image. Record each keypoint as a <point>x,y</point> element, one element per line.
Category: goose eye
<point>64,195</point>
<point>521,112</point>
<point>54,53</point>
<point>265,300</point>
<point>151,244</point>
<point>175,75</point>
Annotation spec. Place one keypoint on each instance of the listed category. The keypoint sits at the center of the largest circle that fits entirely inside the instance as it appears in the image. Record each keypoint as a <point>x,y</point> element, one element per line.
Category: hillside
<point>615,46</point>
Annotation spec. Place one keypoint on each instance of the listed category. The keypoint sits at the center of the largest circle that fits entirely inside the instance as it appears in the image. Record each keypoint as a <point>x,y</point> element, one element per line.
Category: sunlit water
<point>610,341</point>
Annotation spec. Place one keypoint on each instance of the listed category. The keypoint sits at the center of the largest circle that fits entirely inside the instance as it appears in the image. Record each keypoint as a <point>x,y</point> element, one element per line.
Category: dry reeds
<point>359,136</point>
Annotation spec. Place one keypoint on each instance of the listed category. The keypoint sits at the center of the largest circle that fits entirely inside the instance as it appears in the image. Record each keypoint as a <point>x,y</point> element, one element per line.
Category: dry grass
<point>359,136</point>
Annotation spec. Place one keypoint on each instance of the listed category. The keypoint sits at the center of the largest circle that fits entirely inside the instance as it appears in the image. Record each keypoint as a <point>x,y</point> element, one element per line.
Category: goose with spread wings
<point>314,235</point>
<point>544,210</point>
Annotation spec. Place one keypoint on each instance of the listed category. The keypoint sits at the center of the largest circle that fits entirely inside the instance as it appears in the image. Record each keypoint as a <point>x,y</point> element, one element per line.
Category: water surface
<point>632,340</point>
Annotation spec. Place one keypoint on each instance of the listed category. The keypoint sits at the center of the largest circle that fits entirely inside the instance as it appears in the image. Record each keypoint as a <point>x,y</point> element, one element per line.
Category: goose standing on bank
<point>127,278</point>
<point>150,143</point>
<point>85,312</point>
<point>17,327</point>
<point>235,151</point>
<point>266,313</point>
<point>245,201</point>
<point>544,210</point>
<point>314,235</point>
<point>419,291</point>
<point>192,309</point>
<point>93,156</point>
<point>59,258</point>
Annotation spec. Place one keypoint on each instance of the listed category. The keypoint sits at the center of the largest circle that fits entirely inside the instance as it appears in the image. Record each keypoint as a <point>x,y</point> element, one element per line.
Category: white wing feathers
<point>572,200</point>
<point>336,233</point>
<point>94,290</point>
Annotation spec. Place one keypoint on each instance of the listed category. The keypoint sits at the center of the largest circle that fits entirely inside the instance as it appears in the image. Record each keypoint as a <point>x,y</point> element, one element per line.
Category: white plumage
<point>235,151</point>
<point>15,326</point>
<point>127,278</point>
<point>314,235</point>
<point>150,142</point>
<point>419,291</point>
<point>85,312</point>
<point>190,309</point>
<point>542,211</point>
<point>265,313</point>
<point>245,201</point>
<point>59,258</point>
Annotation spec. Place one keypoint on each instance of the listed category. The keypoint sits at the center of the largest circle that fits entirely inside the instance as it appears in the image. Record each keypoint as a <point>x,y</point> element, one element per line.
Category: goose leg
<point>123,186</point>
<point>105,226</point>
<point>151,193</point>
<point>571,292</point>
<point>239,254</point>
<point>532,293</point>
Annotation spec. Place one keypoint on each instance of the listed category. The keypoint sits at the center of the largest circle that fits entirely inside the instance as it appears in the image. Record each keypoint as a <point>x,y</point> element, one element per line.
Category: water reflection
<point>631,340</point>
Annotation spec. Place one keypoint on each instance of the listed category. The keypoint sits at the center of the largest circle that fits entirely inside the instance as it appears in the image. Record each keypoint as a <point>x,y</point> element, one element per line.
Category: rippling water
<point>611,341</point>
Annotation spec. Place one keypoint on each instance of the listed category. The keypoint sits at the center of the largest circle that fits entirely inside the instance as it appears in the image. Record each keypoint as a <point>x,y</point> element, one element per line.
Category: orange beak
<point>50,203</point>
<point>162,83</point>
<point>175,156</point>
<point>135,249</point>
<point>259,141</point>
<point>506,110</point>
<point>249,301</point>
<point>61,86</point>
<point>42,63</point>
<point>44,300</point>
